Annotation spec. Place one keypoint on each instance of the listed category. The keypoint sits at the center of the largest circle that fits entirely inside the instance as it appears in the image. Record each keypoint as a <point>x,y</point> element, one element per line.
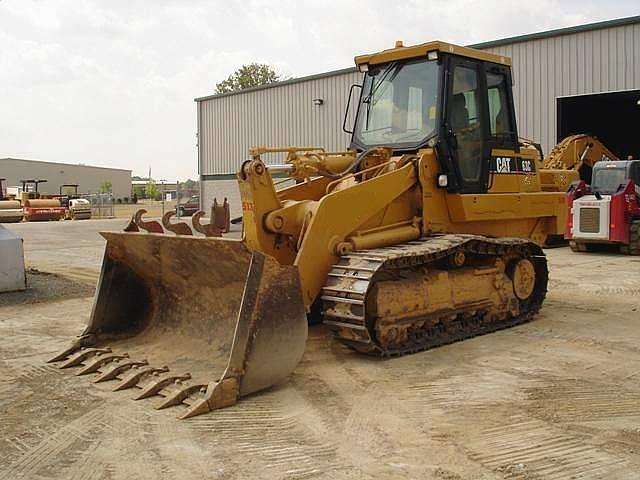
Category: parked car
<point>188,208</point>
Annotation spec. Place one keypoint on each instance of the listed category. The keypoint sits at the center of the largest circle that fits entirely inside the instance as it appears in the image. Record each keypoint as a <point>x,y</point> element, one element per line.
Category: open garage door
<point>613,117</point>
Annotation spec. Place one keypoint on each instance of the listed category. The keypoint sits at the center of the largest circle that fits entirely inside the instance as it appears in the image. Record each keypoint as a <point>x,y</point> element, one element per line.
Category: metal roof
<point>618,22</point>
<point>65,164</point>
<point>493,43</point>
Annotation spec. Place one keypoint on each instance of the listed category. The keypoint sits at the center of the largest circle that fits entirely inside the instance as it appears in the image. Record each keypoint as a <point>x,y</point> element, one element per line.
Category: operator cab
<point>452,98</point>
<point>609,176</point>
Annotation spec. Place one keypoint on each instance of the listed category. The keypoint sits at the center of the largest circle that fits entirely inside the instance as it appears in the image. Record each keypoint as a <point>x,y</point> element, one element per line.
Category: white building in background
<point>88,178</point>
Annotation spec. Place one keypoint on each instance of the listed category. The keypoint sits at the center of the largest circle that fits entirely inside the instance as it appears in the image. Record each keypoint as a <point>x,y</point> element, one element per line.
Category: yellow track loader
<point>428,230</point>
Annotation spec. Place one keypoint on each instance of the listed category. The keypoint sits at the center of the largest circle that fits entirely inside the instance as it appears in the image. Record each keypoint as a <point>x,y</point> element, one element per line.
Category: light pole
<point>178,198</point>
<point>162,183</point>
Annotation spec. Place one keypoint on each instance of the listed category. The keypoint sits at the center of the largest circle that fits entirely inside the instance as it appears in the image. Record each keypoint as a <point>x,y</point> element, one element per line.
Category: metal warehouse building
<point>87,177</point>
<point>583,79</point>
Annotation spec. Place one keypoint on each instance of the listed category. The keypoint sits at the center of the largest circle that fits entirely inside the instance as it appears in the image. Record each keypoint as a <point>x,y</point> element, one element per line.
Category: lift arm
<point>577,151</point>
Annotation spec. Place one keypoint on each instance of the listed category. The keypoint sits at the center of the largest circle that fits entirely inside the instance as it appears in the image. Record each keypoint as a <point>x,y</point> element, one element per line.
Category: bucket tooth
<point>100,361</point>
<point>78,343</point>
<point>118,369</point>
<point>179,228</point>
<point>155,387</point>
<point>220,394</point>
<point>131,226</point>
<point>151,226</point>
<point>181,395</point>
<point>80,357</point>
<point>216,308</point>
<point>208,230</point>
<point>133,379</point>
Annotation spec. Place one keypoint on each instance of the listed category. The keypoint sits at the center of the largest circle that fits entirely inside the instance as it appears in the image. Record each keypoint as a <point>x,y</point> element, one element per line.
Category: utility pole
<point>178,198</point>
<point>162,183</point>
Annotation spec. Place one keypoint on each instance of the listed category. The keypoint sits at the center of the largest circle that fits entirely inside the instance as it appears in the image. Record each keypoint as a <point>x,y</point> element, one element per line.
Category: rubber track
<point>344,296</point>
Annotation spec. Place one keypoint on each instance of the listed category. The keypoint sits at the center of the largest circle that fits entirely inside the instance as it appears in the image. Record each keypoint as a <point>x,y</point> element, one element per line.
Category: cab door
<point>466,124</point>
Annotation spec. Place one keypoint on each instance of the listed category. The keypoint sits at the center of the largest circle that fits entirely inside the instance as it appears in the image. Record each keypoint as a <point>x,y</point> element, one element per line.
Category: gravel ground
<point>557,398</point>
<point>44,287</point>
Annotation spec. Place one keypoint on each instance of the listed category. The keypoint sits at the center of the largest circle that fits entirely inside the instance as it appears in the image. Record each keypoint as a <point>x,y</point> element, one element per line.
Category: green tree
<point>188,188</point>
<point>106,186</point>
<point>190,184</point>
<point>151,190</point>
<point>247,76</point>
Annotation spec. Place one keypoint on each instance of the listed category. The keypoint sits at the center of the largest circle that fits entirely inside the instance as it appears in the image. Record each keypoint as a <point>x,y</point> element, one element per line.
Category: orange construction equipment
<point>37,208</point>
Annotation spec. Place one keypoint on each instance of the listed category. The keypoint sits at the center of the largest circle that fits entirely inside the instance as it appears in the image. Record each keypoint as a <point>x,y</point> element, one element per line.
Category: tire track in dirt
<point>474,407</point>
<point>355,401</point>
<point>528,448</point>
<point>72,436</point>
<point>268,428</point>
<point>88,467</point>
<point>569,400</point>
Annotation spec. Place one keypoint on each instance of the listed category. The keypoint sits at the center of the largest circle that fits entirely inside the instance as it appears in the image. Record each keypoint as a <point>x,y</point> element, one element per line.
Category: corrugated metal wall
<point>580,63</point>
<point>590,61</point>
<point>281,116</point>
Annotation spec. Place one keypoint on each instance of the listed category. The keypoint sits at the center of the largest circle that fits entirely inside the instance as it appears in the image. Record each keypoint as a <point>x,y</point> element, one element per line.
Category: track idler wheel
<point>524,278</point>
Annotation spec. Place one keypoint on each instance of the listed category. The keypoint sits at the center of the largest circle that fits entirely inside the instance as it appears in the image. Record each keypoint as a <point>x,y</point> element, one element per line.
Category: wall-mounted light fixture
<point>318,101</point>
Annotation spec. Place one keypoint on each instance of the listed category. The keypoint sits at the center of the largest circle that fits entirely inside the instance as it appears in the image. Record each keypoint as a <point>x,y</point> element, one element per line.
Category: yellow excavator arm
<point>576,152</point>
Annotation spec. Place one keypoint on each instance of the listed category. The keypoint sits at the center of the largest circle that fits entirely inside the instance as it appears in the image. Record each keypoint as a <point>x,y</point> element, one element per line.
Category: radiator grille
<point>590,220</point>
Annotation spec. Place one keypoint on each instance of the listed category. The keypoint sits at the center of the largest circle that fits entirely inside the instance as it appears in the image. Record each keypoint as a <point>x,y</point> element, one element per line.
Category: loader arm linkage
<point>312,233</point>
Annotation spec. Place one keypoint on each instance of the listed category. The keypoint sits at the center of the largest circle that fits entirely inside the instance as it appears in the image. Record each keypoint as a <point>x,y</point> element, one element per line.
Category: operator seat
<point>459,112</point>
<point>468,140</point>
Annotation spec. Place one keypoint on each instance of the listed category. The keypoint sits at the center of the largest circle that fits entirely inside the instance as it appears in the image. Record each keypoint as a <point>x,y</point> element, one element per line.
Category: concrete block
<point>12,274</point>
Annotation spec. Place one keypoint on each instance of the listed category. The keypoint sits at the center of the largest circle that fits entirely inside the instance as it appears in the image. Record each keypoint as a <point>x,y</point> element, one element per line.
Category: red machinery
<point>37,208</point>
<point>608,211</point>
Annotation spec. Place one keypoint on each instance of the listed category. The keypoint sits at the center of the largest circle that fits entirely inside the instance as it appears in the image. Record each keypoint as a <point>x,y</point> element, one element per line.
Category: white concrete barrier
<point>12,275</point>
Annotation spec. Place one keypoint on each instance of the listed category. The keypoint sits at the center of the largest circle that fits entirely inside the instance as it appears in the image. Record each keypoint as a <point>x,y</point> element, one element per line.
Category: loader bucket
<point>198,321</point>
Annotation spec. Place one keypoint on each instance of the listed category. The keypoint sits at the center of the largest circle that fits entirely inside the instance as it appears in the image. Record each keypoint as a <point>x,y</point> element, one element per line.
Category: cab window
<point>634,173</point>
<point>499,118</point>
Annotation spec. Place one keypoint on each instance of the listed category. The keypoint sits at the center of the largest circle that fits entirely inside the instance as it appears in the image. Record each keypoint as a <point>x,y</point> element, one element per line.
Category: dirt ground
<point>558,398</point>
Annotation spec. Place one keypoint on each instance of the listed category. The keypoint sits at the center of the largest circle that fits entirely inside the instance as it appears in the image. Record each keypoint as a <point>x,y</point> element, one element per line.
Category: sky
<point>112,82</point>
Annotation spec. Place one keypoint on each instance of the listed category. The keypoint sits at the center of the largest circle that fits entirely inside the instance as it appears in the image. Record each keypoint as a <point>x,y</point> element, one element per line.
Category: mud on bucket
<point>198,321</point>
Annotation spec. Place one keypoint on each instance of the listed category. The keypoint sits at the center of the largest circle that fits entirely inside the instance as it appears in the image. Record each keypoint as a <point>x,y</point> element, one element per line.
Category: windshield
<point>607,180</point>
<point>398,103</point>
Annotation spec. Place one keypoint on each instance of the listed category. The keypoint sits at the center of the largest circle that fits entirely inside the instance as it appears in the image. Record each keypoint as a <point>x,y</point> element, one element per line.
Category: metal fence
<point>102,204</point>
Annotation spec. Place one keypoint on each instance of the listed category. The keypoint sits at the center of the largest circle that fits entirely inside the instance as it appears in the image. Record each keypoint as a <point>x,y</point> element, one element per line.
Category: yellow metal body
<point>577,151</point>
<point>401,53</point>
<point>312,223</point>
<point>213,319</point>
<point>390,200</point>
<point>573,159</point>
<point>433,291</point>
